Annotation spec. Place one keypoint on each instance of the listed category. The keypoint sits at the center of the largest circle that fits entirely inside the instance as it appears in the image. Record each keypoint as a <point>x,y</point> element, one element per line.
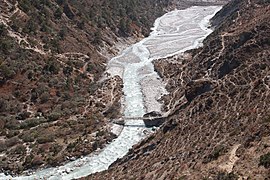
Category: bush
<point>30,27</point>
<point>6,72</point>
<point>54,116</point>
<point>28,137</point>
<point>58,13</point>
<point>3,105</point>
<point>45,139</point>
<point>51,67</point>
<point>3,30</point>
<point>67,70</point>
<point>56,148</point>
<point>32,122</point>
<point>60,2</point>
<point>62,33</point>
<point>12,133</point>
<point>20,149</point>
<point>12,141</point>
<point>25,5</point>
<point>226,176</point>
<point>6,46</point>
<point>218,151</point>
<point>37,160</point>
<point>10,122</point>
<point>97,38</point>
<point>265,160</point>
<point>71,145</point>
<point>23,115</point>
<point>3,146</point>
<point>28,160</point>
<point>44,97</point>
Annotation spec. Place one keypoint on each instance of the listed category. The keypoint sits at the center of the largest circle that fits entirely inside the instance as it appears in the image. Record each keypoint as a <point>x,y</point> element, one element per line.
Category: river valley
<point>173,33</point>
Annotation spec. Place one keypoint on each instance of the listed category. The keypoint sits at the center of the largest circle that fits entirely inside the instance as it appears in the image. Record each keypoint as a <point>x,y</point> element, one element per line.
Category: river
<point>173,33</point>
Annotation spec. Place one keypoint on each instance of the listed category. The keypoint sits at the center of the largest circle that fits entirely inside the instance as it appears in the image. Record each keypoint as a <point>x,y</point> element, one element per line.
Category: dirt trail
<point>228,166</point>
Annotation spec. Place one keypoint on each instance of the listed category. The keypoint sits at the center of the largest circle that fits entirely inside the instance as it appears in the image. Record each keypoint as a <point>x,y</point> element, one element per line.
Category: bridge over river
<point>148,121</point>
<point>173,33</point>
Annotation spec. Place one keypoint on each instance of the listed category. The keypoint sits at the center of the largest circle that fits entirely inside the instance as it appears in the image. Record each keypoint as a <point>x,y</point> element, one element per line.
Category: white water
<point>173,33</point>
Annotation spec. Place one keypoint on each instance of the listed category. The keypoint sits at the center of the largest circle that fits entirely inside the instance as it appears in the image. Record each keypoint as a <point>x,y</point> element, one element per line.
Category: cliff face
<point>219,99</point>
<point>52,105</point>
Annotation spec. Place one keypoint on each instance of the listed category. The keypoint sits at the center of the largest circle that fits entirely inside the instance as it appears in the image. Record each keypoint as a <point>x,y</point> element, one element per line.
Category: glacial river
<point>173,33</point>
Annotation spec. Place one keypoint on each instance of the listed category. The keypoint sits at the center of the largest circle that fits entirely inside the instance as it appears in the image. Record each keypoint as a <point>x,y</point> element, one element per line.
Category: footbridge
<point>148,121</point>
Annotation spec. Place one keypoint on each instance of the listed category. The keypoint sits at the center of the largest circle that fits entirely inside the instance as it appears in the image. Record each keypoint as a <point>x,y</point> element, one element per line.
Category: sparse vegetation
<point>40,93</point>
<point>3,30</point>
<point>218,151</point>
<point>265,160</point>
<point>226,176</point>
<point>45,138</point>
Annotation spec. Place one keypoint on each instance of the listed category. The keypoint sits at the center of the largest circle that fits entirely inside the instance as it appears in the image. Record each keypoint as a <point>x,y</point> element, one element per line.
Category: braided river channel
<point>173,33</point>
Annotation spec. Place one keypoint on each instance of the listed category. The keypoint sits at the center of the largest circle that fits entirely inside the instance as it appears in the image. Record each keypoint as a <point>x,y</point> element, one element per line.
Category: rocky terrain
<point>56,103</point>
<point>218,127</point>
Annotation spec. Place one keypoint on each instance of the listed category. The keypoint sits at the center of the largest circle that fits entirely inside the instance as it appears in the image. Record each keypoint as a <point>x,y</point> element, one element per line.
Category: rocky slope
<point>53,105</point>
<point>219,99</point>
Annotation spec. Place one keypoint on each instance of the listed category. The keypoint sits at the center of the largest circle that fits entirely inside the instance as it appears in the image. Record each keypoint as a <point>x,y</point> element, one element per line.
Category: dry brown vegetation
<point>219,99</point>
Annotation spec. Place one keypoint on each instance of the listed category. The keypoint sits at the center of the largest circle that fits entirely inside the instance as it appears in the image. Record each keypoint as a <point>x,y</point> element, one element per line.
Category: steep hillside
<point>219,99</point>
<point>53,107</point>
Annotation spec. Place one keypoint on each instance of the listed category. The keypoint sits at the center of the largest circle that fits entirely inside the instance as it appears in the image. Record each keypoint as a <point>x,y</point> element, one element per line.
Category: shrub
<point>6,72</point>
<point>60,2</point>
<point>20,149</point>
<point>3,30</point>
<point>12,141</point>
<point>62,33</point>
<point>3,146</point>
<point>45,139</point>
<point>37,160</point>
<point>28,160</point>
<point>71,145</point>
<point>67,70</point>
<point>51,67</point>
<point>226,176</point>
<point>265,160</point>
<point>12,133</point>
<point>44,97</point>
<point>32,122</point>
<point>34,95</point>
<point>30,27</point>
<point>6,46</point>
<point>10,122</point>
<point>97,38</point>
<point>266,119</point>
<point>218,151</point>
<point>27,137</point>
<point>3,105</point>
<point>54,116</point>
<point>25,5</point>
<point>58,13</point>
<point>56,148</point>
<point>30,74</point>
<point>23,115</point>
